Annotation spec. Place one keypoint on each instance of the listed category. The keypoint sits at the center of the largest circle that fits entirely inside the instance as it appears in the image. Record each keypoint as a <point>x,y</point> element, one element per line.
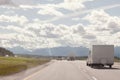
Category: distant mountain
<point>58,51</point>
<point>18,50</point>
<point>62,51</point>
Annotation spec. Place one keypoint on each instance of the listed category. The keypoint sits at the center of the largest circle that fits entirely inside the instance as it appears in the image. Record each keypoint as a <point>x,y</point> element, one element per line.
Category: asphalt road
<point>74,70</point>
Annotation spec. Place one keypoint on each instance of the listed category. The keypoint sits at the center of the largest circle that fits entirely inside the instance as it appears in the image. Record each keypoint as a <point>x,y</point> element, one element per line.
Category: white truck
<point>101,55</point>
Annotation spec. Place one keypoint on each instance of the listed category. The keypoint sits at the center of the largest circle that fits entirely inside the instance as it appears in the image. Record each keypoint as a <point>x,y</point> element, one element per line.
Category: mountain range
<point>58,51</point>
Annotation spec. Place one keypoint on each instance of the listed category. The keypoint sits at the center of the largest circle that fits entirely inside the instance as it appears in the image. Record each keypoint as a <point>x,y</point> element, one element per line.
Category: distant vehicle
<point>71,58</point>
<point>59,58</point>
<point>101,55</point>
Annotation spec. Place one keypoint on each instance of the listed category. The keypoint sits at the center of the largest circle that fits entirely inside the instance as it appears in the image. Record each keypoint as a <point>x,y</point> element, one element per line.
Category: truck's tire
<point>87,64</point>
<point>101,65</point>
<point>92,65</point>
<point>110,66</point>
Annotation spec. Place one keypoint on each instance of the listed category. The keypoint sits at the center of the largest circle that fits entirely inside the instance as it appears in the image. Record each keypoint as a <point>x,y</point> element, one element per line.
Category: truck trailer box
<point>101,55</point>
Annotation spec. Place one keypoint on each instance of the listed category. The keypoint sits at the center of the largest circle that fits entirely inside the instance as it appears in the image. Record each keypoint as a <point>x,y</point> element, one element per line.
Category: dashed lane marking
<point>94,78</point>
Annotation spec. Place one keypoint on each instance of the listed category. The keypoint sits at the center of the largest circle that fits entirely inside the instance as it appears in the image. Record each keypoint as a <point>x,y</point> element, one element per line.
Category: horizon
<point>59,51</point>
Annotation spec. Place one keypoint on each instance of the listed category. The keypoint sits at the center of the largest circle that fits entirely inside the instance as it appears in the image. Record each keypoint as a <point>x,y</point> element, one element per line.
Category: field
<point>116,59</point>
<point>11,65</point>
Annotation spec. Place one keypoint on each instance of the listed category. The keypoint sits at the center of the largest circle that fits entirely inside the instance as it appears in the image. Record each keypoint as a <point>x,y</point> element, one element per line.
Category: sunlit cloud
<point>32,26</point>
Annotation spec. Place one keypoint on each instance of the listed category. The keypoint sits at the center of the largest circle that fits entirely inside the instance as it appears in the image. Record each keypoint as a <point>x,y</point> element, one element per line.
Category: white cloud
<point>45,35</point>
<point>76,19</point>
<point>66,4</point>
<point>11,19</point>
<point>53,9</point>
<point>103,26</point>
<point>72,5</point>
<point>37,35</point>
<point>26,6</point>
<point>50,11</point>
<point>9,36</point>
<point>97,17</point>
<point>80,12</point>
<point>102,21</point>
<point>79,28</point>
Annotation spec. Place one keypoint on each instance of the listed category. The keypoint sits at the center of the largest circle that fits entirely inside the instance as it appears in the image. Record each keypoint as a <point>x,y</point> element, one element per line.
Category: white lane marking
<point>84,70</point>
<point>35,73</point>
<point>94,78</point>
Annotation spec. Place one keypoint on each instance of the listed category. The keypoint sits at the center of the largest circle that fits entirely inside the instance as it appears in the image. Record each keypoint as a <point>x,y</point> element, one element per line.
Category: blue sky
<point>33,24</point>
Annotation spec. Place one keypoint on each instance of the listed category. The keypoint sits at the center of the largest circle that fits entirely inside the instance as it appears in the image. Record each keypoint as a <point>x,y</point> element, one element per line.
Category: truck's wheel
<point>102,65</point>
<point>87,64</point>
<point>92,65</point>
<point>110,66</point>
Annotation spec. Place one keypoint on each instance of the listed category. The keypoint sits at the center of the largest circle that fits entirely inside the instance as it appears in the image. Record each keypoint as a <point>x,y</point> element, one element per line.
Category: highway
<point>74,70</point>
<point>67,70</point>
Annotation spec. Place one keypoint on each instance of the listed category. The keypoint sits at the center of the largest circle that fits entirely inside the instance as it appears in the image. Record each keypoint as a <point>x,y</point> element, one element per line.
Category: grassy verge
<point>11,65</point>
<point>116,60</point>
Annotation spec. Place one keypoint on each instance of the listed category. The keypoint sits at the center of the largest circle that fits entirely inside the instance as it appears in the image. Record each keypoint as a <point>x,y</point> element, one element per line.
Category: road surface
<point>74,70</point>
<point>69,70</point>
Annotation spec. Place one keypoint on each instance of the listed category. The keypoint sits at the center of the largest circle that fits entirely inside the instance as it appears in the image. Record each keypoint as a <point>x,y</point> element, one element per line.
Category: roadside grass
<point>116,60</point>
<point>11,65</point>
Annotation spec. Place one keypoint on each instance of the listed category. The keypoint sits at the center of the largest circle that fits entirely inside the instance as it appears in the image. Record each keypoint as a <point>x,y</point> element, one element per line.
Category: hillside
<point>4,52</point>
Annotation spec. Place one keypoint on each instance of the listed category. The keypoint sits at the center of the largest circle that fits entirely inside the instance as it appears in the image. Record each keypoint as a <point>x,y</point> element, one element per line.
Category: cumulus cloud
<point>79,28</point>
<point>102,21</point>
<point>97,17</point>
<point>13,19</point>
<point>72,5</point>
<point>103,26</point>
<point>9,36</point>
<point>37,35</point>
<point>45,35</point>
